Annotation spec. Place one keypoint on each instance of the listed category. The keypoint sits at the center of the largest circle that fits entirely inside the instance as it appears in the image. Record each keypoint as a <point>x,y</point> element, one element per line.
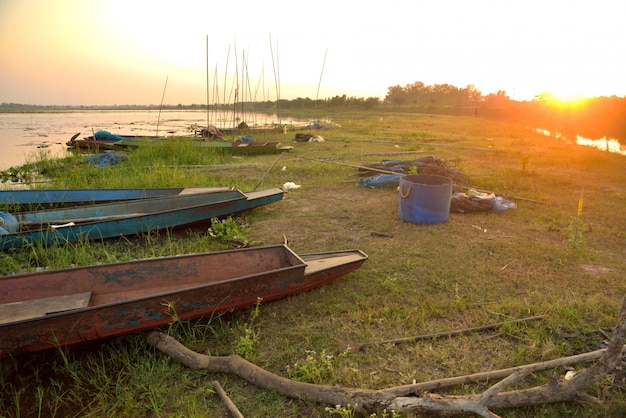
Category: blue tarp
<point>381,180</point>
<point>106,159</point>
<point>8,223</point>
<point>105,135</point>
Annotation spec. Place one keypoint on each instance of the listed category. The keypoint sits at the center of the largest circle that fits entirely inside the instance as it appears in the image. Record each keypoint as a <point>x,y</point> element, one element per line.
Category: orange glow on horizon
<point>565,98</point>
<point>571,99</point>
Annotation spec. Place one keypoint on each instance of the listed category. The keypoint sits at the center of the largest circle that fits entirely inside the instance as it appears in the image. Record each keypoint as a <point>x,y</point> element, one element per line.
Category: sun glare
<point>569,98</point>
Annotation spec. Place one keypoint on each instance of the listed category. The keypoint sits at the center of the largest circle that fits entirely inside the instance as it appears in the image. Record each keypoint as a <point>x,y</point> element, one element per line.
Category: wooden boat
<point>248,148</point>
<point>110,220</point>
<point>86,196</point>
<point>105,141</point>
<point>235,147</point>
<point>65,307</point>
<point>92,146</point>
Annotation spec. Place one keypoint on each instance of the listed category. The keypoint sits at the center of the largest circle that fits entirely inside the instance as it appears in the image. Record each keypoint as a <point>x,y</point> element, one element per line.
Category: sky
<point>116,52</point>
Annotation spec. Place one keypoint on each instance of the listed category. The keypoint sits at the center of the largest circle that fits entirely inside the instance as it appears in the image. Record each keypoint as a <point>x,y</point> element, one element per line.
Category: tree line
<point>593,118</point>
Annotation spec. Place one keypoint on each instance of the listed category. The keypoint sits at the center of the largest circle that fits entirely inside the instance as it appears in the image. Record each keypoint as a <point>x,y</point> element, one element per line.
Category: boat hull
<point>90,196</point>
<point>234,147</point>
<point>96,222</point>
<point>140,295</point>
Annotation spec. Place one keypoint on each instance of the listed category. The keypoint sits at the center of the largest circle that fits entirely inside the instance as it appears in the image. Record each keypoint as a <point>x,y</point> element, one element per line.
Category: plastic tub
<point>424,198</point>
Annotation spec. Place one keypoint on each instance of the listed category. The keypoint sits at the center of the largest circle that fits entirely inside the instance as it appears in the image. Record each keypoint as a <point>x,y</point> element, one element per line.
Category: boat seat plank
<point>16,311</point>
<point>82,220</point>
<point>323,263</point>
<point>259,194</point>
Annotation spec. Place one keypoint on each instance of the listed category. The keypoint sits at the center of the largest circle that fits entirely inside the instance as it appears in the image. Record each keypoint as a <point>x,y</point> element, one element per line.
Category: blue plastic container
<point>424,198</point>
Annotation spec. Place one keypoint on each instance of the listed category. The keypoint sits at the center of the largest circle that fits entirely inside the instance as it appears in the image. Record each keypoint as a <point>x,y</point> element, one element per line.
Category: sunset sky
<point>104,52</point>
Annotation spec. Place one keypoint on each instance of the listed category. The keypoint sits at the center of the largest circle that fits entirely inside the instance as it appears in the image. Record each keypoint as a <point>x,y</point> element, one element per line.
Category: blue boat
<point>109,220</point>
<point>90,196</point>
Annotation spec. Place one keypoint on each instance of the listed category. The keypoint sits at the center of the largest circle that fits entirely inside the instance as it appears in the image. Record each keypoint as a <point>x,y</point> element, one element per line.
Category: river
<point>611,145</point>
<point>24,137</point>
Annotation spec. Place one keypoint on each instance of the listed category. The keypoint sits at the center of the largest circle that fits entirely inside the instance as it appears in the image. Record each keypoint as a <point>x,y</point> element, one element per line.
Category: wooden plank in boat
<point>16,311</point>
<point>66,222</point>
<point>198,190</point>
<point>322,263</point>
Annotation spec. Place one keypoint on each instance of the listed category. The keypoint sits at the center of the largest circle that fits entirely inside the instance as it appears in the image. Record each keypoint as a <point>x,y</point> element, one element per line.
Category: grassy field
<point>560,253</point>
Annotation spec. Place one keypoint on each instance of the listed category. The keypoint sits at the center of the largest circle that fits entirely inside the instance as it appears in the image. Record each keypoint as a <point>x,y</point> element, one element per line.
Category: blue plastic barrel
<point>424,198</point>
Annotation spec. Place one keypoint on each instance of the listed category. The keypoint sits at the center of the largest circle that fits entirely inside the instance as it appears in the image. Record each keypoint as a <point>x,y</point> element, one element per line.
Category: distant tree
<point>499,99</point>
<point>545,96</point>
<point>396,95</point>
<point>471,95</point>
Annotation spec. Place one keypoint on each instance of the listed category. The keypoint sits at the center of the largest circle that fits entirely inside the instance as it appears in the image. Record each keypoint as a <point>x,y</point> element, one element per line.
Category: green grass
<point>473,270</point>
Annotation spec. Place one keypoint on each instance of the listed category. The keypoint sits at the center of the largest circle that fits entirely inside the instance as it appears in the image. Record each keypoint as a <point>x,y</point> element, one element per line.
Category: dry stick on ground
<point>411,397</point>
<point>268,171</point>
<point>343,345</point>
<point>232,408</point>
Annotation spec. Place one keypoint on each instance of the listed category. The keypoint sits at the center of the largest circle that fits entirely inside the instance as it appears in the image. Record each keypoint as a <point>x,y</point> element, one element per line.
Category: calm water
<point>604,144</point>
<point>25,136</point>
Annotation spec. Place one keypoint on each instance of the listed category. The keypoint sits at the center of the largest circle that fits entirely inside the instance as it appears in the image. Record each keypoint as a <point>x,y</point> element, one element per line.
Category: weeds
<point>576,233</point>
<point>348,411</point>
<point>230,230</point>
<point>22,174</point>
<point>315,368</point>
<point>390,283</point>
<point>246,345</point>
<point>577,228</point>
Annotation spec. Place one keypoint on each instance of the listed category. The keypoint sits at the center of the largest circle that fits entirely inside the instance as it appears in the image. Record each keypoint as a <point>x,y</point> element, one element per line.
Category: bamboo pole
<point>160,107</point>
<point>268,170</point>
<point>429,144</point>
<point>208,120</point>
<point>343,345</point>
<point>317,96</point>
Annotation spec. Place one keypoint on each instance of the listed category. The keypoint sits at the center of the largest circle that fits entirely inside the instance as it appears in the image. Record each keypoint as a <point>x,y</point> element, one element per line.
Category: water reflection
<point>604,144</point>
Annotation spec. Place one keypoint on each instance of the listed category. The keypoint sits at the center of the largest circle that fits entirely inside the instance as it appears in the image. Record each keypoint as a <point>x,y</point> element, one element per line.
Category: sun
<point>568,97</point>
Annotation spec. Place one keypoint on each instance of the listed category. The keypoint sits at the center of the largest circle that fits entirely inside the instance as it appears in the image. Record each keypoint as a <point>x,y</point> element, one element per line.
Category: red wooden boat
<point>65,307</point>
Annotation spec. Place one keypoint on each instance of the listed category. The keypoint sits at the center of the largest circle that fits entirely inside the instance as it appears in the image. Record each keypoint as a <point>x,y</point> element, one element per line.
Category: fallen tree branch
<point>411,397</point>
<point>497,374</point>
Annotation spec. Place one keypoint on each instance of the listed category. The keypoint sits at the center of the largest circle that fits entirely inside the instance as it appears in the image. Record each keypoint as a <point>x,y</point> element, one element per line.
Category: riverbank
<point>27,137</point>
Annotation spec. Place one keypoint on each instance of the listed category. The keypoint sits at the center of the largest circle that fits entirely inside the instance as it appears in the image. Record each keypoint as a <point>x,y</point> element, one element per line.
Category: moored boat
<point>235,147</point>
<point>102,141</point>
<point>65,307</point>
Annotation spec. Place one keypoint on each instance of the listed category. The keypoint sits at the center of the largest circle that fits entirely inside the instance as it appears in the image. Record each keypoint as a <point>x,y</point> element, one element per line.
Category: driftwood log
<point>414,397</point>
